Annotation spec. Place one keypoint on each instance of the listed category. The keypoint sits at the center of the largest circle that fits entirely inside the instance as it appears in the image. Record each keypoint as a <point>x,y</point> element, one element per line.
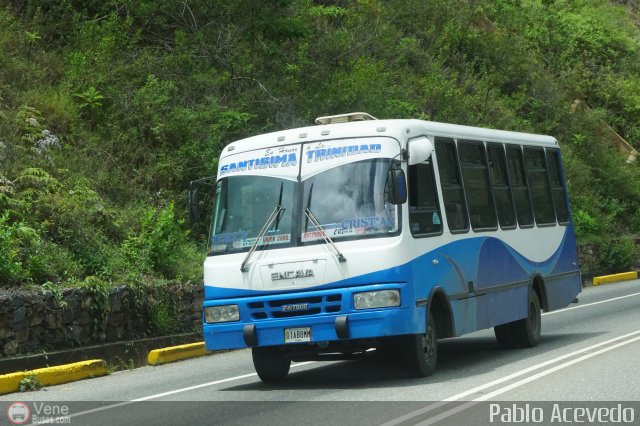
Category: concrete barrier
<point>625,276</point>
<point>54,375</point>
<point>176,353</point>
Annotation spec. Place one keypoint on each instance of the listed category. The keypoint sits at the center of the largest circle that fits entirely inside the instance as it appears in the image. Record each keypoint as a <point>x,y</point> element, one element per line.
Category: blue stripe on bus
<point>483,261</point>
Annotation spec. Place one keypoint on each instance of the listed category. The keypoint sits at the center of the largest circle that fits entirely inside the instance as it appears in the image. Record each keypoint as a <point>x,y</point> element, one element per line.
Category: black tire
<point>422,350</point>
<point>527,331</point>
<point>271,364</point>
<point>524,333</point>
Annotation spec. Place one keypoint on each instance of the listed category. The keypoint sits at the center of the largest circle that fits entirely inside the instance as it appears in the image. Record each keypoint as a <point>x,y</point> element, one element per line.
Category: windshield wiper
<point>327,239</point>
<point>274,216</point>
<point>279,216</point>
<point>306,220</point>
<point>311,217</point>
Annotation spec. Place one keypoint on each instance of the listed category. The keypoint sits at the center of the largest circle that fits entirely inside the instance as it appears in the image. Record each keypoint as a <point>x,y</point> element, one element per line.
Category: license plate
<point>297,335</point>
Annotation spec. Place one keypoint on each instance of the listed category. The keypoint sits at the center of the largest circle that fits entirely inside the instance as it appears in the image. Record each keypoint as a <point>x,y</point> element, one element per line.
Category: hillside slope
<point>109,108</point>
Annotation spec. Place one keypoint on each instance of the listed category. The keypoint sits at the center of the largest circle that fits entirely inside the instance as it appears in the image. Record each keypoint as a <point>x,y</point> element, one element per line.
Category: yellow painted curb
<point>55,375</point>
<point>625,276</point>
<point>176,353</point>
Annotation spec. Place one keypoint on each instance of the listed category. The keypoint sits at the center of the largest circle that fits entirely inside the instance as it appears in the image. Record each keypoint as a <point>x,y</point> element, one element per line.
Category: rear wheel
<point>524,333</point>
<point>527,330</point>
<point>422,350</point>
<point>271,364</point>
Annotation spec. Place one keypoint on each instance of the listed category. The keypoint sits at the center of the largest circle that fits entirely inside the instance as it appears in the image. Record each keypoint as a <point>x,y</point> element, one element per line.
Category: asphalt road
<point>587,360</point>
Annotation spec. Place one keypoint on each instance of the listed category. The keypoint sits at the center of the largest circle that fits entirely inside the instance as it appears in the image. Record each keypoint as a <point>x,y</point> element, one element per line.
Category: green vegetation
<point>109,108</point>
<point>29,383</point>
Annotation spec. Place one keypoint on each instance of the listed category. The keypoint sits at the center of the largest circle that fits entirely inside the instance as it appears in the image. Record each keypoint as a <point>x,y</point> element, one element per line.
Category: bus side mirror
<point>397,182</point>
<point>420,149</point>
<point>193,204</point>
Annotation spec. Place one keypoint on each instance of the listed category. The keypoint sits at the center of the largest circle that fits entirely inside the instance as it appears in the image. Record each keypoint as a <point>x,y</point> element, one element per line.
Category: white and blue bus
<point>357,233</point>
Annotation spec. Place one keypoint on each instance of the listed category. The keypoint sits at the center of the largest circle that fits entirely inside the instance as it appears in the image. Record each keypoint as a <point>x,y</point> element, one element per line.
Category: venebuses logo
<point>18,413</point>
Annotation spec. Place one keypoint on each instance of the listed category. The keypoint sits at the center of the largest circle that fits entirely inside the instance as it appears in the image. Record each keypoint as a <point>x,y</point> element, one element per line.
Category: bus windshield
<point>242,207</point>
<point>350,201</point>
<point>342,183</point>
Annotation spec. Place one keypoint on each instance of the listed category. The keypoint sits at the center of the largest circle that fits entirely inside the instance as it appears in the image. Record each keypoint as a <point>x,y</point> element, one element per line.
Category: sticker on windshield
<point>267,239</point>
<point>369,222</point>
<point>240,240</point>
<point>331,232</point>
<point>229,237</point>
<point>351,227</point>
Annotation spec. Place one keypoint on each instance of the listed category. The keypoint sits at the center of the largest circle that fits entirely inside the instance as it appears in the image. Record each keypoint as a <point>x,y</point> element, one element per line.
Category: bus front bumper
<point>366,324</point>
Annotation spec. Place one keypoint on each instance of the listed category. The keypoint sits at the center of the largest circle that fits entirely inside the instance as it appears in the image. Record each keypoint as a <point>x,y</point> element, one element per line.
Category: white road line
<point>512,386</point>
<point>590,304</point>
<point>554,369</point>
<point>507,378</point>
<point>189,388</point>
<point>160,395</point>
<point>538,366</point>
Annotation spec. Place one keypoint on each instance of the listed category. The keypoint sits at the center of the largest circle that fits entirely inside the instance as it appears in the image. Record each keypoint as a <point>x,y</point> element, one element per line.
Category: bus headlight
<point>376,299</point>
<point>225,313</point>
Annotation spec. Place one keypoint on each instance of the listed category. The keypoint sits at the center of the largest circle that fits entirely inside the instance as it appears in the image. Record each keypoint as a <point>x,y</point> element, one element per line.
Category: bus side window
<point>476,185</point>
<point>557,188</point>
<point>536,166</point>
<point>501,186</point>
<point>451,183</point>
<point>519,187</point>
<point>424,210</point>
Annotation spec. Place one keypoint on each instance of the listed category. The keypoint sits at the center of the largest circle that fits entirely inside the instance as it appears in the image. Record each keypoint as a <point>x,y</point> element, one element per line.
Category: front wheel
<point>270,363</point>
<point>422,350</point>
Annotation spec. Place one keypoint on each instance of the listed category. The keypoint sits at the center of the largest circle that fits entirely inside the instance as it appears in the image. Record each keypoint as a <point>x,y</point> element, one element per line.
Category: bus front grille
<point>295,306</point>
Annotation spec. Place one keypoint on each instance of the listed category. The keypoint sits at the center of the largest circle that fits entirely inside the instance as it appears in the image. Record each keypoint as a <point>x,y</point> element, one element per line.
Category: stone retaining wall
<point>37,321</point>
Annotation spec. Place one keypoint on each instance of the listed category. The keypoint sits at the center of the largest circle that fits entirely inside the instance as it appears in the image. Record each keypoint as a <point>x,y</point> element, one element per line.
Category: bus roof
<point>401,129</point>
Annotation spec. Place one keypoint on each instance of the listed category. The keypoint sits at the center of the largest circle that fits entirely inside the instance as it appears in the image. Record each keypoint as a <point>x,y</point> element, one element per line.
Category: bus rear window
<point>557,189</point>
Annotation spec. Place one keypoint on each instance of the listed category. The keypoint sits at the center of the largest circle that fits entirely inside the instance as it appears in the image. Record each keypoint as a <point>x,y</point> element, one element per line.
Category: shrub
<point>10,264</point>
<point>618,255</point>
<point>162,245</point>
